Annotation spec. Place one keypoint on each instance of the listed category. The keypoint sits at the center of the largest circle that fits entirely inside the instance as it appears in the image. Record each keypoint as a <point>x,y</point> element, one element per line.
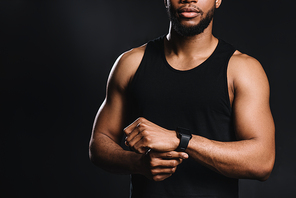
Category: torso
<point>200,103</point>
<point>138,54</point>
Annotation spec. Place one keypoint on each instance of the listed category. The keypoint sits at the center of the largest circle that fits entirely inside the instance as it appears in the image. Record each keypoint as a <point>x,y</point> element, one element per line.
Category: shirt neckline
<point>189,70</point>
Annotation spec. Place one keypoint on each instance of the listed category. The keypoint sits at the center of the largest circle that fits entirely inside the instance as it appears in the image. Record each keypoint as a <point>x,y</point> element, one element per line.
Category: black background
<point>55,60</point>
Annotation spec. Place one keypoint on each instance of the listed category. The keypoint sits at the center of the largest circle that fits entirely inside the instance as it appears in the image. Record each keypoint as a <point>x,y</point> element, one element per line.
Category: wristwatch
<point>184,135</point>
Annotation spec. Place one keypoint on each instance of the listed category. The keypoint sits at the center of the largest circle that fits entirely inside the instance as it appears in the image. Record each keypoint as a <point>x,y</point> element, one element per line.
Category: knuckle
<point>141,119</point>
<point>142,126</point>
<point>147,139</point>
<point>173,170</point>
<point>169,155</point>
<point>152,163</point>
<point>130,144</point>
<point>144,132</point>
<point>174,163</point>
<point>126,131</point>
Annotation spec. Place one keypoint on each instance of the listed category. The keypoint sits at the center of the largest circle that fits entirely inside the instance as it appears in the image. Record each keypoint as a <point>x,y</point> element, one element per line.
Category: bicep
<point>110,119</point>
<point>252,115</point>
<point>112,116</point>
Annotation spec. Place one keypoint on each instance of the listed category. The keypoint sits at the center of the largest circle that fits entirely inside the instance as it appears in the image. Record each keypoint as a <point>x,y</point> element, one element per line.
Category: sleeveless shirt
<point>196,99</point>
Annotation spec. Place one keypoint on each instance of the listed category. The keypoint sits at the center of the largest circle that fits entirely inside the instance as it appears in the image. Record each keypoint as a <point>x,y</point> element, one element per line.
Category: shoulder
<point>241,59</point>
<point>132,57</point>
<point>126,66</point>
<point>243,62</point>
<point>246,72</point>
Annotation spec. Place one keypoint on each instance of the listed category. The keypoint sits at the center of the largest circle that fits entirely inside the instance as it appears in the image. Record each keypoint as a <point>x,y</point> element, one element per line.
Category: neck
<point>190,46</point>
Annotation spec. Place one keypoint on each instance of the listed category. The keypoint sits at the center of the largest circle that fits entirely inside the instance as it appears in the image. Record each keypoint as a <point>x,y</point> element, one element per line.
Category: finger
<point>160,177</point>
<point>134,137</point>
<point>159,171</point>
<point>140,143</point>
<point>164,163</point>
<point>137,146</point>
<point>170,155</point>
<point>127,130</point>
<point>136,130</point>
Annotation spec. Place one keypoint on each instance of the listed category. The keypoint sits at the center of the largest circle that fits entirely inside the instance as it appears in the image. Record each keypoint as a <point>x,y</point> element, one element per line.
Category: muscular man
<point>194,111</point>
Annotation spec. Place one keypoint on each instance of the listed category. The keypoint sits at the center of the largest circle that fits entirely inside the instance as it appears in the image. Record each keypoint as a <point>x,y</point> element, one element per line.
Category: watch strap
<point>184,135</point>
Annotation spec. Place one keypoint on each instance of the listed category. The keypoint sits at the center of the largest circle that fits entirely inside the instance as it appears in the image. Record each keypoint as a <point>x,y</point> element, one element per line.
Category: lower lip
<point>188,14</point>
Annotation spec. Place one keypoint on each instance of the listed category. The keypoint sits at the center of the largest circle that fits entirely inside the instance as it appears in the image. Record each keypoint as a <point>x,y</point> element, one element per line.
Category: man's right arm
<point>104,149</point>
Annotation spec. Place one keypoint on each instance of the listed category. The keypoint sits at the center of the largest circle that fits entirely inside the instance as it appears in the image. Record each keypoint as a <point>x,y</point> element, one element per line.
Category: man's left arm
<point>252,155</point>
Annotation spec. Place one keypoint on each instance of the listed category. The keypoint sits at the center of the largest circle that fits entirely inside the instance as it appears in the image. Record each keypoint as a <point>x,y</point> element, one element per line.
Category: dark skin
<point>251,156</point>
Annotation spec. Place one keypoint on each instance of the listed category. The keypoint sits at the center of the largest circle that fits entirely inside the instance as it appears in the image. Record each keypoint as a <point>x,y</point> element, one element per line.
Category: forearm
<point>238,159</point>
<point>110,156</point>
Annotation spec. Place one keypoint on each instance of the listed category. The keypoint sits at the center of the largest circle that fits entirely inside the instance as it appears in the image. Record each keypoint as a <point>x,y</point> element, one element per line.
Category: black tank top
<point>196,99</point>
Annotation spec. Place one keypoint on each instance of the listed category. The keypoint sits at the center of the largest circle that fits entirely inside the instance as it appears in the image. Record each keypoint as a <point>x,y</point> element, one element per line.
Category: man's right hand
<point>158,166</point>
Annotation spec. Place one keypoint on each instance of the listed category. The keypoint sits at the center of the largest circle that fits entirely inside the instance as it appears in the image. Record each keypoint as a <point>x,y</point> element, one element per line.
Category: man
<point>194,110</point>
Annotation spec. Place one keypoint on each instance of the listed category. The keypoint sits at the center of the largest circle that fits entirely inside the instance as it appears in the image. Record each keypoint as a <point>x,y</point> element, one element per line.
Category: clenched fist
<point>143,134</point>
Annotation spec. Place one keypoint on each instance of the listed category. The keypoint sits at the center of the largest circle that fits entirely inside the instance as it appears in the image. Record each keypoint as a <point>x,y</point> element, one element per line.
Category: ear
<point>218,3</point>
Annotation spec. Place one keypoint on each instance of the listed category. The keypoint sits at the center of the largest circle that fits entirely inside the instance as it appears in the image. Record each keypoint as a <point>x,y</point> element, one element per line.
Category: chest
<point>165,91</point>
